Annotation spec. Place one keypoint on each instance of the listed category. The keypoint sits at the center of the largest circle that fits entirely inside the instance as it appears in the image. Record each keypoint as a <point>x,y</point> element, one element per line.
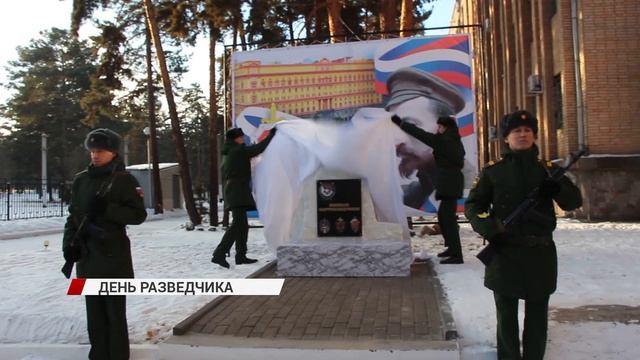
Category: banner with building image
<point>333,81</point>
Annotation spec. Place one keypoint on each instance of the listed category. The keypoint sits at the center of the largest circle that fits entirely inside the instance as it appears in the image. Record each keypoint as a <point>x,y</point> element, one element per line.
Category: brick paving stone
<point>342,309</point>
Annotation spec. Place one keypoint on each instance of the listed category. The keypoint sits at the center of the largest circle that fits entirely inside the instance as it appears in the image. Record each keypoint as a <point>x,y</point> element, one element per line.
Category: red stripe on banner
<point>381,88</point>
<point>454,78</point>
<point>444,43</point>
<point>76,286</point>
<point>466,131</point>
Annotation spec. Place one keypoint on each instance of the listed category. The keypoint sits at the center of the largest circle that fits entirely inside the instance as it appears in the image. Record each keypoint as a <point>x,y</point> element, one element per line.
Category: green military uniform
<point>236,177</point>
<point>448,153</point>
<point>106,251</point>
<point>526,266</point>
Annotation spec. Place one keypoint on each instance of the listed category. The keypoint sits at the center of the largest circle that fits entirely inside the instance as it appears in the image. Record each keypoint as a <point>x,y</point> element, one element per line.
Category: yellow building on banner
<point>305,89</point>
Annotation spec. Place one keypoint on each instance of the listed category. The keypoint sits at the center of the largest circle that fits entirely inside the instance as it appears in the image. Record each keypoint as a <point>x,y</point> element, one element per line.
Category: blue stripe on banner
<point>430,208</point>
<point>463,46</point>
<point>253,120</point>
<point>465,120</point>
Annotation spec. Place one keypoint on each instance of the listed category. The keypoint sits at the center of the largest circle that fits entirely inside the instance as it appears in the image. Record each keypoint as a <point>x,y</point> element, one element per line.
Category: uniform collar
<point>531,154</point>
<point>113,166</point>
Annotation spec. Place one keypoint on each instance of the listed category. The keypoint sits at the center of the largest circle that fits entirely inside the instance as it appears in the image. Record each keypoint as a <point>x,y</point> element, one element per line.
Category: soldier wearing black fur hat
<point>526,264</point>
<point>104,200</point>
<point>448,153</point>
<point>236,177</point>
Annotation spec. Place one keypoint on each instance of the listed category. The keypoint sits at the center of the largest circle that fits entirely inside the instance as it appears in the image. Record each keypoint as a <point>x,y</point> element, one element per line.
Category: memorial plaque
<point>339,207</point>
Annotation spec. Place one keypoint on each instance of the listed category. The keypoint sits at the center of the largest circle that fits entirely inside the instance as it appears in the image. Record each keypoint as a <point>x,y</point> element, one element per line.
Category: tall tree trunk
<point>388,17</point>
<point>153,144</point>
<point>335,25</point>
<point>407,19</point>
<point>213,130</point>
<point>292,34</point>
<point>183,161</point>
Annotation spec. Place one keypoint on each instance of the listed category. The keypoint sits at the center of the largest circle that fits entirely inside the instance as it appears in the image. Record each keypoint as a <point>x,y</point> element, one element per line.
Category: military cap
<point>447,121</point>
<point>234,133</point>
<point>409,83</point>
<point>104,139</point>
<point>517,119</point>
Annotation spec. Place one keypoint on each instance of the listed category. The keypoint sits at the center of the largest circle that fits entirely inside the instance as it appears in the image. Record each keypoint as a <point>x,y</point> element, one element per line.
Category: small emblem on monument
<point>340,225</point>
<point>325,226</point>
<point>355,225</point>
<point>327,190</point>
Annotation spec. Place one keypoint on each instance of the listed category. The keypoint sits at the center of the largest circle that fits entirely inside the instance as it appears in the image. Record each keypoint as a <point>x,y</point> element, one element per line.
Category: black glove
<point>501,238</point>
<point>548,188</point>
<point>97,207</point>
<point>396,120</point>
<point>72,253</point>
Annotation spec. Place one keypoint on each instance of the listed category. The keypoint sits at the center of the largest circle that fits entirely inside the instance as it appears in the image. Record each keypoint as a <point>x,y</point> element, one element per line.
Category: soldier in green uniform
<point>448,153</point>
<point>236,177</point>
<point>104,200</point>
<point>525,266</point>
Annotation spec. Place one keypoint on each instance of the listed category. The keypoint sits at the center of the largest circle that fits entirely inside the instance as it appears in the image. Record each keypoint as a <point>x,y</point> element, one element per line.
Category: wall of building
<point>521,38</point>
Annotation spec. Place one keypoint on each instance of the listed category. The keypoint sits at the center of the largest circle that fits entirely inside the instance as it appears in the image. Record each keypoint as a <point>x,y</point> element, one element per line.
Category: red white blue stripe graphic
<point>447,57</point>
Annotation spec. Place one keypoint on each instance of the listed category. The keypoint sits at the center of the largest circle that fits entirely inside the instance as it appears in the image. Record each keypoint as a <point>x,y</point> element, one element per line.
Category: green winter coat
<point>526,268</point>
<point>236,172</point>
<point>106,247</point>
<point>448,153</point>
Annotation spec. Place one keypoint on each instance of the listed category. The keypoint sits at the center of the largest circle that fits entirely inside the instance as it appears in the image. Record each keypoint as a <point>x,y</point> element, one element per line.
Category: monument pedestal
<point>380,251</point>
<point>343,258</point>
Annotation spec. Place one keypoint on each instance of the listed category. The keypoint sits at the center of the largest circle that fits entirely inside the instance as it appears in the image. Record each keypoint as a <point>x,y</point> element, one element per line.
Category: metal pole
<point>151,202</point>
<point>44,168</point>
<point>126,150</point>
<point>8,201</point>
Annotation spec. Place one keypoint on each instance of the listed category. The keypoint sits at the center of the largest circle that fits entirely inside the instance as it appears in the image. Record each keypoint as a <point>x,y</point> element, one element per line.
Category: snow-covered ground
<point>597,266</point>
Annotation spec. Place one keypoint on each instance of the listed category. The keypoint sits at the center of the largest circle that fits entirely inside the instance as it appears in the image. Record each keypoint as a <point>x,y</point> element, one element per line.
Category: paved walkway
<point>330,313</point>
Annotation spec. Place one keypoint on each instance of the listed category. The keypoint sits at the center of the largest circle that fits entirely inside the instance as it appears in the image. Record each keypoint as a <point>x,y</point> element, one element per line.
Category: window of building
<point>557,102</point>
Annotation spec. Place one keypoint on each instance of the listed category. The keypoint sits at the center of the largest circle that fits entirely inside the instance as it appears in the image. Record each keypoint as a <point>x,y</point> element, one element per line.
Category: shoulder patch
<point>475,182</point>
<point>491,163</point>
<point>547,163</point>
<point>483,215</point>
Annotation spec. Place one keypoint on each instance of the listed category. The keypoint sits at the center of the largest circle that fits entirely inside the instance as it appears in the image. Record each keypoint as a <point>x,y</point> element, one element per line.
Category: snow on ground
<point>597,266</point>
<point>34,306</point>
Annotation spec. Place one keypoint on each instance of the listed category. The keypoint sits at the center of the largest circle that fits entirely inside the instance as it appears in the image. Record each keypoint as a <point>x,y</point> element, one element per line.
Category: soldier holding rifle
<point>104,200</point>
<point>525,264</point>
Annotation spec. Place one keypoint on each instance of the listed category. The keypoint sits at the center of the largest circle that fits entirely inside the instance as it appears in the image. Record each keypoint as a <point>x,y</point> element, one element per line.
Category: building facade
<point>576,65</point>
<point>305,89</point>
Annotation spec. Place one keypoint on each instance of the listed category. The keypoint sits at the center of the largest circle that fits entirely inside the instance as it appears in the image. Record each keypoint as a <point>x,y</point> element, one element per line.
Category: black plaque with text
<point>339,207</point>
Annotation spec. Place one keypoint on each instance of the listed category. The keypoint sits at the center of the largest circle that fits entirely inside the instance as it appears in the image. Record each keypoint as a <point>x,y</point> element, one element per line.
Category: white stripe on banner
<point>175,287</point>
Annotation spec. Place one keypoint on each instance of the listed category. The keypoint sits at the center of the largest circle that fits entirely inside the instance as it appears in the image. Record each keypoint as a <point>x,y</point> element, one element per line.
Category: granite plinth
<point>348,258</point>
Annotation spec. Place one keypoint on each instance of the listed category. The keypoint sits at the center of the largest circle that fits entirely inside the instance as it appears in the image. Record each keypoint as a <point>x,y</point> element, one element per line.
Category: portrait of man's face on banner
<point>418,79</point>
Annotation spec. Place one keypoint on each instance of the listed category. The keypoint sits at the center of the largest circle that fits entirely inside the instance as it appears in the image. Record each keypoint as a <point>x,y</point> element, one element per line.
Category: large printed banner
<point>417,78</point>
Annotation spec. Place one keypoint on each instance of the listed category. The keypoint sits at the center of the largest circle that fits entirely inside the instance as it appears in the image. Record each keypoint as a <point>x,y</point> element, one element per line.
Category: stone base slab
<point>345,259</point>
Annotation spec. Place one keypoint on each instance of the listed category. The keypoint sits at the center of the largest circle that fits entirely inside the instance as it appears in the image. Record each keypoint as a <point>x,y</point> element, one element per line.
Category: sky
<point>45,14</point>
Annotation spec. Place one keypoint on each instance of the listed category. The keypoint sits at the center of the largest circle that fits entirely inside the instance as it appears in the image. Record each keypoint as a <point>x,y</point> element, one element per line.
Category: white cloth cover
<point>364,147</point>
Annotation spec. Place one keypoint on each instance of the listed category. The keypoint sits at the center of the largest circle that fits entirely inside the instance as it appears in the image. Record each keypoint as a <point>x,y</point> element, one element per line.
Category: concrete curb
<point>67,351</point>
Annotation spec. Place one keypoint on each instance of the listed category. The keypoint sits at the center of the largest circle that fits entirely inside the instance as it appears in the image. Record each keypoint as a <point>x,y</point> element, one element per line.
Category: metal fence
<point>30,199</point>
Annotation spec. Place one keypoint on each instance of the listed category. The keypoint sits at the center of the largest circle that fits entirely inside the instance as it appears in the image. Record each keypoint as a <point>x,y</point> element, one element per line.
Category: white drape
<point>364,147</point>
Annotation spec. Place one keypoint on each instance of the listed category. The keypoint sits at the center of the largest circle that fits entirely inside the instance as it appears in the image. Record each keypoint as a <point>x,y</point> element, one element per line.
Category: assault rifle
<point>525,208</point>
<point>92,230</point>
<point>68,265</point>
